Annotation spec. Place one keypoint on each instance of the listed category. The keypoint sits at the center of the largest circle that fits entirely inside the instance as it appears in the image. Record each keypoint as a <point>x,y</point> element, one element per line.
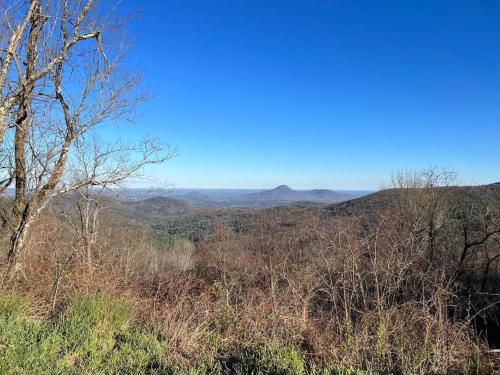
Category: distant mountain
<point>279,193</point>
<point>161,206</point>
<point>325,195</point>
<point>195,196</point>
<point>253,198</point>
<point>284,193</point>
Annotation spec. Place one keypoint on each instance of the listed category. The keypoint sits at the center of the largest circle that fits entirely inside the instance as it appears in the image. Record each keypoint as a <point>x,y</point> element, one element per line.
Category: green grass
<point>92,336</point>
<point>96,336</point>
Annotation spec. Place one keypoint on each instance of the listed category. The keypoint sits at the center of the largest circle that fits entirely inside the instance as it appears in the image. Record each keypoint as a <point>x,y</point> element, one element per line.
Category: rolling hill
<point>488,195</point>
<point>284,193</point>
<point>161,206</point>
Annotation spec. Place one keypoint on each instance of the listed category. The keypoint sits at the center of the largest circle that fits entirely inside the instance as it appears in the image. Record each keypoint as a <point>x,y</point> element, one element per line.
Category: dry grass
<point>328,291</point>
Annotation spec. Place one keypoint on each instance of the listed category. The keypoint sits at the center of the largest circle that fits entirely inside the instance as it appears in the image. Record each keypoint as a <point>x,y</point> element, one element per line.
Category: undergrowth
<point>93,335</point>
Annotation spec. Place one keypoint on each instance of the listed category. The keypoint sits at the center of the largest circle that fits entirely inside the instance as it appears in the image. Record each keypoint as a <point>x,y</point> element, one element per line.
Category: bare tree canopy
<point>62,75</point>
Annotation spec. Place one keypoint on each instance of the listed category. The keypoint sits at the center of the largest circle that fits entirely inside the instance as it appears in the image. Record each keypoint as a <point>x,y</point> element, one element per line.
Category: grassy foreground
<point>95,336</point>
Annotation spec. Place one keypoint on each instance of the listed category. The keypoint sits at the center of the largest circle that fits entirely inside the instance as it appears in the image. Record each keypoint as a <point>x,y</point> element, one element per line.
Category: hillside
<point>160,206</point>
<point>196,266</point>
<point>483,194</point>
<point>284,193</point>
<point>251,198</point>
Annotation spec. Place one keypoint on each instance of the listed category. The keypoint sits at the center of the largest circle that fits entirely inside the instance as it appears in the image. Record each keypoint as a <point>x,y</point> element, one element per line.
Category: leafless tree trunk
<point>88,210</point>
<point>60,76</point>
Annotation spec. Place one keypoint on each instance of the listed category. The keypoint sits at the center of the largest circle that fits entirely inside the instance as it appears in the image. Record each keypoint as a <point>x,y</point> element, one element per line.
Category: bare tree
<point>480,225</point>
<point>60,77</point>
<point>422,203</point>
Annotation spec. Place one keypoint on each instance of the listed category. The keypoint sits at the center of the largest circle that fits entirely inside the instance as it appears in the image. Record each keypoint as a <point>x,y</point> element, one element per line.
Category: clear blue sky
<point>310,93</point>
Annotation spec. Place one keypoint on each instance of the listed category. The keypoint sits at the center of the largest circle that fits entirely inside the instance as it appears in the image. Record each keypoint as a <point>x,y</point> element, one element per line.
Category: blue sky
<point>334,94</point>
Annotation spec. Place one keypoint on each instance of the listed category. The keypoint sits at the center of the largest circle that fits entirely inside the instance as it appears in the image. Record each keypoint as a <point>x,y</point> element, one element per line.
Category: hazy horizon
<point>244,189</point>
<point>382,184</point>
